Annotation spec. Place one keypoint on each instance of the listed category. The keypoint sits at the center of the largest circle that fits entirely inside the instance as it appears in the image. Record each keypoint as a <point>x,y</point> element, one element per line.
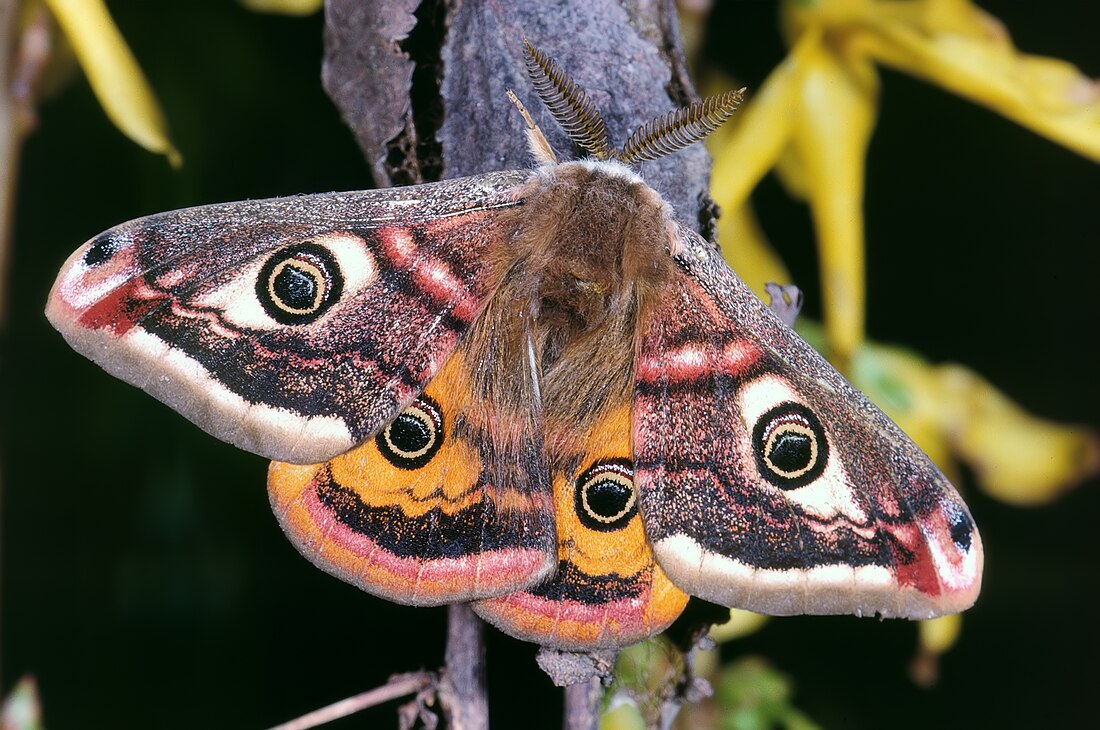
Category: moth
<point>532,390</point>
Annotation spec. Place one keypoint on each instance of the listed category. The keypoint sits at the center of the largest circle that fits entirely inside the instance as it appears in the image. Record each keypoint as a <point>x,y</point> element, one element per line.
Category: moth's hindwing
<point>424,513</point>
<point>767,482</point>
<point>607,590</point>
<point>294,328</point>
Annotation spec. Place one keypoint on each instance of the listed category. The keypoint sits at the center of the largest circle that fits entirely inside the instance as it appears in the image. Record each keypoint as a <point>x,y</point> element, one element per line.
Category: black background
<point>146,583</point>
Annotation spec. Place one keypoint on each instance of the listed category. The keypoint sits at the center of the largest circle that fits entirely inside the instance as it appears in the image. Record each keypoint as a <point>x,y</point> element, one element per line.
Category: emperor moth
<point>533,390</point>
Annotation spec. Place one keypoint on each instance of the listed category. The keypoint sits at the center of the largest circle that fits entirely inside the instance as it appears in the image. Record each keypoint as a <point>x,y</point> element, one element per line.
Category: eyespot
<point>790,445</point>
<point>962,527</point>
<point>100,252</point>
<point>412,439</point>
<point>605,498</point>
<point>299,284</point>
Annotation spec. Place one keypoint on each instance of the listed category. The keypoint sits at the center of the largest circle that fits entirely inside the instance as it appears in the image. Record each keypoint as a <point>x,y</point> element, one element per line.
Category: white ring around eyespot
<point>831,492</point>
<point>236,301</point>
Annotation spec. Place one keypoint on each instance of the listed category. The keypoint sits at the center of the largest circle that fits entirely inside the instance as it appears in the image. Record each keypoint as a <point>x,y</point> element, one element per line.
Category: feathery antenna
<point>578,117</point>
<point>568,103</point>
<point>679,128</point>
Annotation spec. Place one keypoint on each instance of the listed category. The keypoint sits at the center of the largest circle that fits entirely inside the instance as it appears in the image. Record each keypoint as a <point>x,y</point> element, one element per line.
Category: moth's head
<point>579,118</point>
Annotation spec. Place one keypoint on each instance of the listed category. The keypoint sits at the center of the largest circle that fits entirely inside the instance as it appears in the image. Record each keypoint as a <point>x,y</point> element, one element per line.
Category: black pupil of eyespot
<point>791,451</point>
<point>299,283</point>
<point>607,497</point>
<point>410,434</point>
<point>295,288</point>
<point>100,251</point>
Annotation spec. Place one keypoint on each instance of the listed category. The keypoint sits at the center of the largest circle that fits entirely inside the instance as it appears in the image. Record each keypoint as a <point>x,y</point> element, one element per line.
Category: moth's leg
<point>786,301</point>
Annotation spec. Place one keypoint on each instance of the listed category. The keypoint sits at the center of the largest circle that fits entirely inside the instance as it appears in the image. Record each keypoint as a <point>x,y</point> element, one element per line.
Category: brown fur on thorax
<point>589,246</point>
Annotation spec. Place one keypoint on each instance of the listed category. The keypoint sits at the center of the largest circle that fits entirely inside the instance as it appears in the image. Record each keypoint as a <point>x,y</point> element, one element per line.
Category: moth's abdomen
<point>607,590</point>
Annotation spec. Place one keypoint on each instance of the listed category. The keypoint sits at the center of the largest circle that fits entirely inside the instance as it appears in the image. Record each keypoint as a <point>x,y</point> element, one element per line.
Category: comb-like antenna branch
<point>568,103</point>
<point>679,128</point>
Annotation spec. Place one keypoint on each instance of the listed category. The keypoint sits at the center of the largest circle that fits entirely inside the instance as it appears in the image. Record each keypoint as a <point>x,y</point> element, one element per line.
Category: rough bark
<point>423,84</point>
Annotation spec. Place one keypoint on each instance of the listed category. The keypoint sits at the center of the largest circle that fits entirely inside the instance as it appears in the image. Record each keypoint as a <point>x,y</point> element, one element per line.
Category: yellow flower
<point>283,7</point>
<point>811,121</point>
<point>813,116</point>
<point>741,623</point>
<point>113,73</point>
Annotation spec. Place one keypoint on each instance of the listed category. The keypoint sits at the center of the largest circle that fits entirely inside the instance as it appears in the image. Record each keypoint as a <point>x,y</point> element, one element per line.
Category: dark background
<point>146,583</point>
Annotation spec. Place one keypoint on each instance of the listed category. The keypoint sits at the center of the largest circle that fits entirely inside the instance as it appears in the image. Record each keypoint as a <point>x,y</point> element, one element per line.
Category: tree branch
<point>581,705</point>
<point>463,695</point>
<point>422,85</point>
<point>398,686</point>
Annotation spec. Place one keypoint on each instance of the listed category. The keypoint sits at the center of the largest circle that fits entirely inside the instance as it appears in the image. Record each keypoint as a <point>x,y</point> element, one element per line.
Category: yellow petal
<point>283,7</point>
<point>741,623</point>
<point>760,130</point>
<point>747,249</point>
<point>113,74</point>
<point>837,116</point>
<point>791,171</point>
<point>1017,457</point>
<point>960,17</point>
<point>940,634</point>
<point>955,16</point>
<point>936,637</point>
<point>797,17</point>
<point>1047,95</point>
